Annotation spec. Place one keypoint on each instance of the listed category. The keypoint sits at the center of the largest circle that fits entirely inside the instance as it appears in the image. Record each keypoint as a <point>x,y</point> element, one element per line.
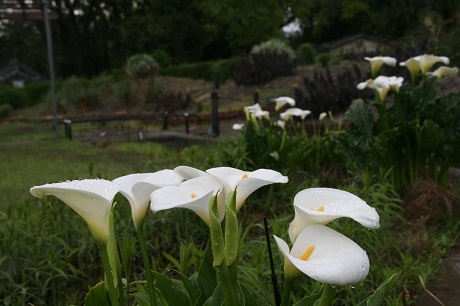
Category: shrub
<point>306,54</point>
<point>203,70</point>
<point>274,46</point>
<point>141,66</point>
<point>266,62</point>
<point>326,93</point>
<point>15,97</point>
<point>35,92</point>
<point>79,93</point>
<point>5,110</point>
<point>162,58</point>
<point>323,58</point>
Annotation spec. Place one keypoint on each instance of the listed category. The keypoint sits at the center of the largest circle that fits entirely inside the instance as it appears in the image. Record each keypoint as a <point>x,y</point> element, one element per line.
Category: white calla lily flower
<point>261,114</point>
<point>281,124</point>
<point>189,172</point>
<point>322,205</point>
<point>248,110</point>
<point>378,61</point>
<point>444,72</point>
<point>245,182</point>
<point>427,61</point>
<point>423,63</point>
<point>91,199</point>
<point>413,65</point>
<point>326,256</point>
<point>138,187</point>
<point>193,194</point>
<point>281,101</point>
<point>322,116</point>
<point>290,112</point>
<point>238,126</point>
<point>382,85</point>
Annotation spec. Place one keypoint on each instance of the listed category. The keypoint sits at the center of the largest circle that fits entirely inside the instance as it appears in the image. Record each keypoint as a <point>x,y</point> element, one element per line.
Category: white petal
<point>189,172</point>
<point>138,187</point>
<point>91,199</point>
<point>337,203</point>
<point>281,101</point>
<point>246,182</point>
<point>336,259</point>
<point>193,194</point>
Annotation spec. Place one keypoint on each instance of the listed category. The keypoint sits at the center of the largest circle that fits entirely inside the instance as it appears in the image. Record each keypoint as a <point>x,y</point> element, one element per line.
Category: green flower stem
<point>148,270</point>
<point>328,296</point>
<point>114,258</point>
<point>108,275</point>
<point>227,276</point>
<point>286,297</point>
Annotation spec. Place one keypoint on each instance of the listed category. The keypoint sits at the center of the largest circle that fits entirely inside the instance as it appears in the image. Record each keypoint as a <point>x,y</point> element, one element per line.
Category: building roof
<point>17,70</point>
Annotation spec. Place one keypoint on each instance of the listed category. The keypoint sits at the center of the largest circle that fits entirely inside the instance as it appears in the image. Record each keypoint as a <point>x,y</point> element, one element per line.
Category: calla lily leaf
<point>91,199</point>
<point>322,205</point>
<point>335,259</point>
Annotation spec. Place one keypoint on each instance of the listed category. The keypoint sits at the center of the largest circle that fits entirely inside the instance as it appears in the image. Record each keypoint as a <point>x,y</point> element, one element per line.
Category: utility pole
<point>13,10</point>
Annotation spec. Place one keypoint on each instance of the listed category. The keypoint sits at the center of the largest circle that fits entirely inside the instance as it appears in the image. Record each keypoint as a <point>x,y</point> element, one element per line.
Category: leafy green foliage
<point>141,66</point>
<point>15,97</point>
<point>210,71</point>
<point>414,137</point>
<point>326,92</point>
<point>306,54</point>
<point>266,61</point>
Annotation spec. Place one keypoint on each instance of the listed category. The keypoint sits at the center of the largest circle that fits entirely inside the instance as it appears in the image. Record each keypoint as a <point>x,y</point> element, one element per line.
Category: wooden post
<point>215,113</point>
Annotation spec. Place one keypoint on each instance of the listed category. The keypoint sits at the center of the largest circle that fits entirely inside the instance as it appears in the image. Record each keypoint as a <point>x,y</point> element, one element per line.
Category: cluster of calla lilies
<point>216,196</point>
<point>255,112</point>
<point>418,65</point>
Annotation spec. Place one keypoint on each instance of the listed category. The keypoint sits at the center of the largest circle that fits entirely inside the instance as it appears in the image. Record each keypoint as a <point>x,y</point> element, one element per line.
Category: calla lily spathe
<point>261,114</point>
<point>334,259</point>
<point>193,194</point>
<point>248,110</point>
<point>444,72</point>
<point>378,61</point>
<point>423,63</point>
<point>138,187</point>
<point>427,61</point>
<point>382,85</point>
<point>238,126</point>
<point>91,199</point>
<point>322,205</point>
<point>244,182</point>
<point>281,101</point>
<point>290,112</point>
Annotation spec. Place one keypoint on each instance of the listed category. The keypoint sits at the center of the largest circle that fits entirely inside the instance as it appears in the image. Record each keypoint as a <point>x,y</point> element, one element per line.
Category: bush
<point>267,61</point>
<point>262,68</point>
<point>35,92</point>
<point>326,93</point>
<point>5,110</point>
<point>162,58</point>
<point>274,46</point>
<point>79,93</point>
<point>15,97</point>
<point>203,70</point>
<point>306,54</point>
<point>141,66</point>
<point>323,58</point>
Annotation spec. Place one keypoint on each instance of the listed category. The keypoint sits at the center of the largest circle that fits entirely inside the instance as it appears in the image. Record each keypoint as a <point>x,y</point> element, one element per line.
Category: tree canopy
<point>93,36</point>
